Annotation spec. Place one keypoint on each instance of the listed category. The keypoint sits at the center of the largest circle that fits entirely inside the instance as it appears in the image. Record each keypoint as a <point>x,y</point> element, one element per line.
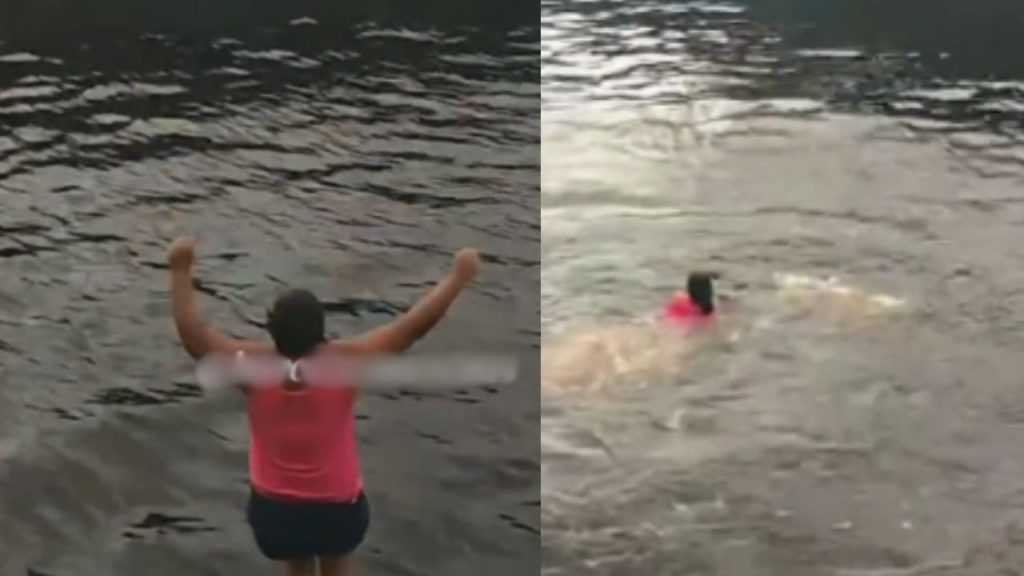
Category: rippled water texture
<point>346,148</point>
<point>853,171</point>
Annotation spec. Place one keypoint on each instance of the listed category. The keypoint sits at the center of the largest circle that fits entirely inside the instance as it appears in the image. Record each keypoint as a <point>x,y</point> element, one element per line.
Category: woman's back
<point>303,444</point>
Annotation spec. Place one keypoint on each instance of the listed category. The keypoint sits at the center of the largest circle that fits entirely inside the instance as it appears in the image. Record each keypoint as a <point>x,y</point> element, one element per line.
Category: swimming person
<point>307,508</point>
<point>593,358</point>
<point>696,306</point>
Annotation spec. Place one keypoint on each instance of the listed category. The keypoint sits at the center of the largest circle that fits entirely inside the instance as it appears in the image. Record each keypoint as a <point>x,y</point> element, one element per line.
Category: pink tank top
<point>681,310</point>
<point>303,443</point>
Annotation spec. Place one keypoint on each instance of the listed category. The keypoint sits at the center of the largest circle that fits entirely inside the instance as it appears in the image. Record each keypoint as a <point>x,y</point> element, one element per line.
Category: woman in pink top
<point>306,508</point>
<point>695,307</point>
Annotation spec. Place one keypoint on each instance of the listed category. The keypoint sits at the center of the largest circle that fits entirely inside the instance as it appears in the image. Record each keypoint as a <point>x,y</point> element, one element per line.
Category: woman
<point>696,306</point>
<point>306,508</point>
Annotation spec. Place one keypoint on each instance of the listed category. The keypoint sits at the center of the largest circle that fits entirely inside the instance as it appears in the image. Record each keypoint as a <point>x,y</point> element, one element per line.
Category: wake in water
<point>588,361</point>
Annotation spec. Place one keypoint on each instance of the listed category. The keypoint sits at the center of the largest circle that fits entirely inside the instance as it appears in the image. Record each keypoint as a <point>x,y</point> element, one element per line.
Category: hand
<point>182,254</point>
<point>467,264</point>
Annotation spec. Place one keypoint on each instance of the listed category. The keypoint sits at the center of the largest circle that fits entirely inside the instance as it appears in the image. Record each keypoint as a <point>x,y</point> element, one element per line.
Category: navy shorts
<point>297,530</point>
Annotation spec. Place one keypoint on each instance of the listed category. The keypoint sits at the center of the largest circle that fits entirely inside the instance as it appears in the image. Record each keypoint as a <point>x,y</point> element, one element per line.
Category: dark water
<point>346,147</point>
<point>875,143</point>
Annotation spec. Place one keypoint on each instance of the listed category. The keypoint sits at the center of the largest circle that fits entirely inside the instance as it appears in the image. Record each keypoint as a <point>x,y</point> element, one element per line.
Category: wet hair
<point>701,292</point>
<point>296,323</point>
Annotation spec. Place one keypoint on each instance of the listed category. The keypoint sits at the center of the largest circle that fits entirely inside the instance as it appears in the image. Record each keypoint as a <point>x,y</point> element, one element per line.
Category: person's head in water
<point>701,292</point>
<point>296,323</point>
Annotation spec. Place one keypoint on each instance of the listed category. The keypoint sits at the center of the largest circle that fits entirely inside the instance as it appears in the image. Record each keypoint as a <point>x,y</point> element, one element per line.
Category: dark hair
<point>702,293</point>
<point>296,323</point>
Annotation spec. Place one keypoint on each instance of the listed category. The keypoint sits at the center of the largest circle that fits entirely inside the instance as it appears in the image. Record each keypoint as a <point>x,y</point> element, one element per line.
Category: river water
<point>350,149</point>
<point>815,154</point>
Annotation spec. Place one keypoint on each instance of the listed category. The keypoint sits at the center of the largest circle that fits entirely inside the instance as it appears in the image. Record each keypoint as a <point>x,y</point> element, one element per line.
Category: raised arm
<point>196,336</point>
<point>406,330</point>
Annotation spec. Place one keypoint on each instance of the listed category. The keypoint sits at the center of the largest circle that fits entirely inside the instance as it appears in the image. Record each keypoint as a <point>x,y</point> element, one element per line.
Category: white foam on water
<point>797,285</point>
<point>954,94</point>
<point>837,54</point>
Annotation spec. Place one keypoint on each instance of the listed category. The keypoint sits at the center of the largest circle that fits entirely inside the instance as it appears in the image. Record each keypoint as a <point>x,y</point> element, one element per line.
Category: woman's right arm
<point>197,337</point>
